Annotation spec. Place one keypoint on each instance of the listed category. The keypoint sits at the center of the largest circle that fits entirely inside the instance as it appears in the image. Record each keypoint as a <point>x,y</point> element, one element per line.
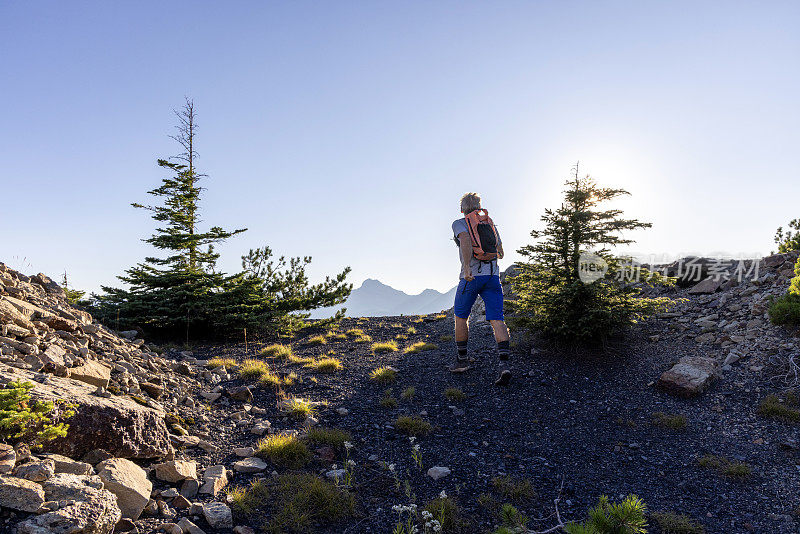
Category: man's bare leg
<point>500,331</point>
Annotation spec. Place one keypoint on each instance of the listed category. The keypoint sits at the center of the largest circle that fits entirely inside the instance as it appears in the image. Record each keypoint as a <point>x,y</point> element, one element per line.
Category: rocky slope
<point>159,436</point>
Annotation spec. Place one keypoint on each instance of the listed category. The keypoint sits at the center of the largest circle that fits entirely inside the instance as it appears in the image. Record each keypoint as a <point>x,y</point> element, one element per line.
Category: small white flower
<point>412,439</point>
<point>351,463</point>
<point>334,466</point>
<point>391,467</point>
<point>348,445</point>
<point>416,447</point>
<point>443,495</point>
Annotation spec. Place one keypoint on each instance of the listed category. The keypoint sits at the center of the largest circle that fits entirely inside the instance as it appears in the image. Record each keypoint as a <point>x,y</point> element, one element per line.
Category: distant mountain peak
<point>374,299</point>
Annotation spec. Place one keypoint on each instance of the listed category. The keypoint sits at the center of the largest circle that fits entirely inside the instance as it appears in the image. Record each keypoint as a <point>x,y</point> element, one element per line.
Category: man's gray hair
<point>470,202</point>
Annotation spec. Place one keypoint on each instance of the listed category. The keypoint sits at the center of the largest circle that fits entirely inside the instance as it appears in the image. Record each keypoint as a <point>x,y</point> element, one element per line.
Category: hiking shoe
<point>504,379</point>
<point>460,366</point>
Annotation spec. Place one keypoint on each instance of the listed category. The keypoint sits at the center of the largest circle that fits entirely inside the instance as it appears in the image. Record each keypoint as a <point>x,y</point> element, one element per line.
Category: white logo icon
<point>591,267</point>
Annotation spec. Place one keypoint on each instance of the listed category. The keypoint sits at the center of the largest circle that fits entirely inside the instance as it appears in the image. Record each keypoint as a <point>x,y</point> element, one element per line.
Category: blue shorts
<point>490,290</point>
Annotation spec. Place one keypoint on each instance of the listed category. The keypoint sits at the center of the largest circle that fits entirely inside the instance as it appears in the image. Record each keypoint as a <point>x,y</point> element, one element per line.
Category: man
<point>478,277</point>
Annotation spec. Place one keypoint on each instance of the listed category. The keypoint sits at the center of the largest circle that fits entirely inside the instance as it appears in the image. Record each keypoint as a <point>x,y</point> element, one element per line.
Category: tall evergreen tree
<point>182,293</point>
<point>175,292</point>
<point>551,296</point>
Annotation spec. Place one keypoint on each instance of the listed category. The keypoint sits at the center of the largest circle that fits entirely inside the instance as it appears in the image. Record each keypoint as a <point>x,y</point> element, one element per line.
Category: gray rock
<point>438,472</point>
<point>36,471</point>
<point>690,376</point>
<point>97,514</point>
<point>218,515</point>
<point>68,465</point>
<point>128,482</point>
<point>65,487</point>
<point>189,527</point>
<point>250,465</point>
<point>189,488</point>
<point>215,478</point>
<point>8,457</point>
<point>20,494</point>
<point>176,470</point>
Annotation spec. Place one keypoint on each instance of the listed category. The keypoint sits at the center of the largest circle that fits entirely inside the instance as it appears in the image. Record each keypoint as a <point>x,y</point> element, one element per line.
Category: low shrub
<point>785,310</point>
<point>31,422</point>
<point>445,511</point>
<point>317,340</point>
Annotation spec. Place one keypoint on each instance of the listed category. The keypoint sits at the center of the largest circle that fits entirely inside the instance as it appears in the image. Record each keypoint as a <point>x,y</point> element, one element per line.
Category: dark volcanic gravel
<point>586,419</point>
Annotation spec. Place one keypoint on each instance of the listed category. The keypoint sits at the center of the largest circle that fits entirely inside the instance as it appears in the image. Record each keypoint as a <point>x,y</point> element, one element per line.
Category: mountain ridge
<point>373,298</point>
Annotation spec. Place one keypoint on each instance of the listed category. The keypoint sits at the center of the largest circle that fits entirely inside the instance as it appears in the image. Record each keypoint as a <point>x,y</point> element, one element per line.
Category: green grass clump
<point>445,339</point>
<point>412,425</point>
<point>317,340</point>
<point>454,395</point>
<point>445,511</point>
<point>390,403</point>
<point>213,363</point>
<point>411,330</point>
<point>304,502</point>
<point>298,408</point>
<point>420,346</point>
<point>325,365</point>
<point>386,346</point>
<point>337,336</point>
<point>253,369</point>
<point>269,379</point>
<point>295,503</point>
<point>247,500</point>
<point>400,337</point>
<point>383,375</point>
<point>284,450</point>
<point>670,421</point>
<point>672,523</point>
<point>355,332</point>
<point>332,437</point>
<point>787,410</point>
<point>408,393</point>
<point>515,490</point>
<point>282,352</point>
<point>725,466</point>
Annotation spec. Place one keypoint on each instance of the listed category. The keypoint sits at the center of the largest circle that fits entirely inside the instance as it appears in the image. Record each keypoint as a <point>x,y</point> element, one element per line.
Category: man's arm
<point>465,246</point>
<point>500,253</point>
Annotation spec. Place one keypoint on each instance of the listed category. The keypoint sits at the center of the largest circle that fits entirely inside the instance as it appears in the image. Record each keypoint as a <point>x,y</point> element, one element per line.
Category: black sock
<point>462,349</point>
<point>503,349</point>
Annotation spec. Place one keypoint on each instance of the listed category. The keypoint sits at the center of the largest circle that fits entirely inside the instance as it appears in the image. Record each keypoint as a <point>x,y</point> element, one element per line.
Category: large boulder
<point>118,425</point>
<point>92,372</point>
<point>176,470</point>
<point>63,486</point>
<point>128,482</point>
<point>98,513</point>
<point>20,494</point>
<point>690,376</point>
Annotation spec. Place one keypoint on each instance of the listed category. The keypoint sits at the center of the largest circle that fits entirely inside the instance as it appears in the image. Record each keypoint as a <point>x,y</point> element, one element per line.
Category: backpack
<point>482,234</point>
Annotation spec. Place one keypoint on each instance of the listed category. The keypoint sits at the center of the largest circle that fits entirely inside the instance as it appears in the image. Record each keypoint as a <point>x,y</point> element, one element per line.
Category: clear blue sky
<point>374,117</point>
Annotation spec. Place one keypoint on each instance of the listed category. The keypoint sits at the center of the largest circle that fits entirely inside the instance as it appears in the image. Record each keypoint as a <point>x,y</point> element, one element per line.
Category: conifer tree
<point>181,294</point>
<point>551,296</point>
<point>174,292</point>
